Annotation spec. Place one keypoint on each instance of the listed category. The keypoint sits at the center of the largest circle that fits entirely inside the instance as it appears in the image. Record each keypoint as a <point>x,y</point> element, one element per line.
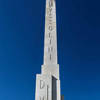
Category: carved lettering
<point>42,84</point>
<point>50,35</point>
<point>50,41</point>
<point>50,9</point>
<point>41,98</point>
<point>50,21</point>
<point>50,49</point>
<point>50,3</point>
<point>50,28</point>
<point>50,15</point>
<point>50,57</point>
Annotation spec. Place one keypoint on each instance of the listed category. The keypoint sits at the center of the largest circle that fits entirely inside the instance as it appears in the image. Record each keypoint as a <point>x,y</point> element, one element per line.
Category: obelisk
<point>48,82</point>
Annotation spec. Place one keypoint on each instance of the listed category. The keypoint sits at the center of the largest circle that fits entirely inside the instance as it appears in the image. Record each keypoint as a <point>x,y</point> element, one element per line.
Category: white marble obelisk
<point>48,83</point>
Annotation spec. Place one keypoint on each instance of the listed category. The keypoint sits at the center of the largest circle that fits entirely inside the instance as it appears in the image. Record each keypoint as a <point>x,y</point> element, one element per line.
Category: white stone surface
<point>58,90</point>
<point>43,87</point>
<point>47,87</point>
<point>51,70</point>
<point>50,44</point>
<point>48,82</point>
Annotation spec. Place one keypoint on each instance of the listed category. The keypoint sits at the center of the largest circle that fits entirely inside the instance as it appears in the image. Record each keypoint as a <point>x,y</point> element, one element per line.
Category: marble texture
<point>43,87</point>
<point>50,42</point>
<point>48,82</point>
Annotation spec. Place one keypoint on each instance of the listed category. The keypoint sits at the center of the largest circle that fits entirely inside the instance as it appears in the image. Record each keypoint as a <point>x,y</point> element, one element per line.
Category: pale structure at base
<point>48,82</point>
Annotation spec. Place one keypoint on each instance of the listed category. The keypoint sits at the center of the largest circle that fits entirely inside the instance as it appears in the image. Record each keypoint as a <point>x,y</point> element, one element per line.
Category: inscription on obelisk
<point>48,83</point>
<point>50,46</point>
<point>43,87</point>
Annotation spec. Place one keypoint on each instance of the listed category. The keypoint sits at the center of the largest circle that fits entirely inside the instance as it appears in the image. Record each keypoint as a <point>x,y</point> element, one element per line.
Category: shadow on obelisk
<point>54,89</point>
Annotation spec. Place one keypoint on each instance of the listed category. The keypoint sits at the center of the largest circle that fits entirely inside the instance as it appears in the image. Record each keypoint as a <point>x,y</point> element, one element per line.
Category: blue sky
<point>21,48</point>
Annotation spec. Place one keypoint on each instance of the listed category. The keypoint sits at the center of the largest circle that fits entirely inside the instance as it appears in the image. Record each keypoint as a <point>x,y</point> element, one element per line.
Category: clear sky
<point>21,48</point>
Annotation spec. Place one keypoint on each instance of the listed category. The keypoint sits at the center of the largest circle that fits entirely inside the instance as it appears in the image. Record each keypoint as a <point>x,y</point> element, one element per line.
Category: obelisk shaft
<point>50,44</point>
<point>48,82</point>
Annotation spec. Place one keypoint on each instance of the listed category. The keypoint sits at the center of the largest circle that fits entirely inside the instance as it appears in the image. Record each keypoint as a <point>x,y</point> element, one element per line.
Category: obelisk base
<point>47,87</point>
